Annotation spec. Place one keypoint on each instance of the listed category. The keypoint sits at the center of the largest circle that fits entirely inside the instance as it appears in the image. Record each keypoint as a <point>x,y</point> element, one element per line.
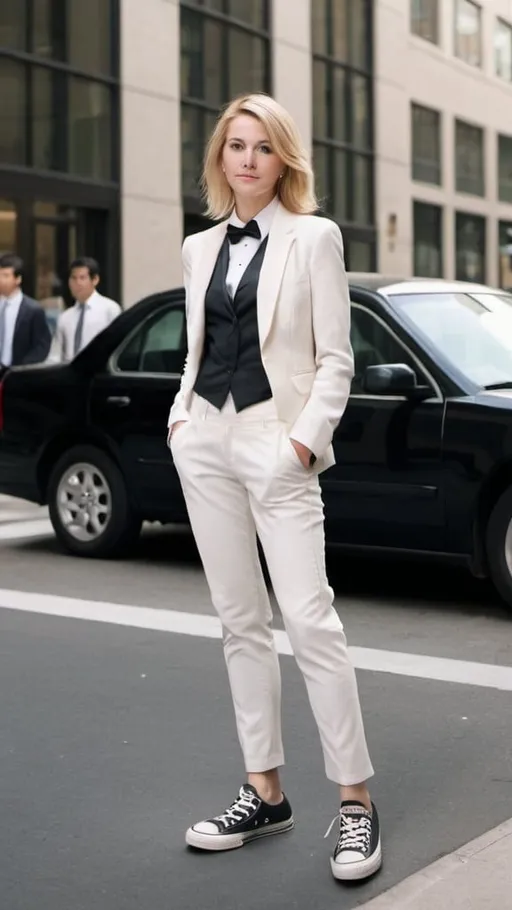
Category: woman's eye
<point>266,149</point>
<point>235,146</point>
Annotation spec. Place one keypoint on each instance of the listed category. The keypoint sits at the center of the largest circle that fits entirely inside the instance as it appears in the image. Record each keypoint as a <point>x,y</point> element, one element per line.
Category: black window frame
<point>504,181</point>
<point>192,203</point>
<point>421,166</point>
<point>350,150</point>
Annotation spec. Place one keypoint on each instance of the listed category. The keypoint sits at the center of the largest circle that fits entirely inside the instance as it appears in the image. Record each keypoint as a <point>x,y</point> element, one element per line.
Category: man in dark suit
<point>24,334</point>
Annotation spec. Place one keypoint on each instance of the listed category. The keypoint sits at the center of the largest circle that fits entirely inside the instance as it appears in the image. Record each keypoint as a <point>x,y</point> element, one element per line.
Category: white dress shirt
<point>10,307</point>
<point>241,253</point>
<point>99,313</point>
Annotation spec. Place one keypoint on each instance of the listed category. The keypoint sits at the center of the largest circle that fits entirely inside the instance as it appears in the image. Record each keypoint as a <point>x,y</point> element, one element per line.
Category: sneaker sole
<point>220,842</point>
<point>353,872</point>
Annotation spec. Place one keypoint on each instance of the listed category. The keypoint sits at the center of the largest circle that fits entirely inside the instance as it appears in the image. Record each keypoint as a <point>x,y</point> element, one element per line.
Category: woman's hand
<point>303,453</point>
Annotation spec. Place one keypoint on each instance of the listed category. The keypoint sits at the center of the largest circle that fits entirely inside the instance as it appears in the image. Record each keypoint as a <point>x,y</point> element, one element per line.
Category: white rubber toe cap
<point>205,828</point>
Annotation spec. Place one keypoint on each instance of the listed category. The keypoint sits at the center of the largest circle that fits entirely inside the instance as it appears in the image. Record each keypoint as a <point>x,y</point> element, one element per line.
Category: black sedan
<point>424,451</point>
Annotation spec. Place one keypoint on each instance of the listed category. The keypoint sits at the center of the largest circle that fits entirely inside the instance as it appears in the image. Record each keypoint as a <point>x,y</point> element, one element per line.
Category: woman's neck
<point>247,209</point>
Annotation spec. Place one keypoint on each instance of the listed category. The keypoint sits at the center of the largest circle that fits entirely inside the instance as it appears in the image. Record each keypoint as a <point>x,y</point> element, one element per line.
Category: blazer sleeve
<point>40,338</point>
<point>178,410</point>
<point>330,304</point>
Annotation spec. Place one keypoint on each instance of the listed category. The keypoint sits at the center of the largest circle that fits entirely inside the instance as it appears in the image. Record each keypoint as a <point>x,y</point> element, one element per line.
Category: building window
<point>225,51</point>
<point>470,247</point>
<point>425,19</point>
<point>505,257</point>
<point>503,50</point>
<point>469,159</point>
<point>505,168</point>
<point>61,102</point>
<point>428,240</point>
<point>426,144</point>
<point>468,32</point>
<point>342,121</point>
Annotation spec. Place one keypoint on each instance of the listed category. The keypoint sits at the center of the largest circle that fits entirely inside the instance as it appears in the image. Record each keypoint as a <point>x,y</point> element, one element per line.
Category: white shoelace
<point>243,807</point>
<point>355,831</point>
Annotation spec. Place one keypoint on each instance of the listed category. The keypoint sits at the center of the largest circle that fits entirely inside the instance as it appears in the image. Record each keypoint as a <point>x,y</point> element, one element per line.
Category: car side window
<point>373,343</point>
<point>158,346</point>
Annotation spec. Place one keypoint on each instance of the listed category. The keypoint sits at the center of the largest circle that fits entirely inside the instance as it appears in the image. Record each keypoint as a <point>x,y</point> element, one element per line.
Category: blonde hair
<point>296,187</point>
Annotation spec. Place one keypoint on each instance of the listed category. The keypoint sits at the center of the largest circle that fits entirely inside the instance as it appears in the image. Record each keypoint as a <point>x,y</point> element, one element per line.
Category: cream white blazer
<point>303,320</point>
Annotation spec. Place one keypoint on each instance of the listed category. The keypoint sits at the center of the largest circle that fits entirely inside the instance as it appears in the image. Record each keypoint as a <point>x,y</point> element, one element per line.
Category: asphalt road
<point>114,739</point>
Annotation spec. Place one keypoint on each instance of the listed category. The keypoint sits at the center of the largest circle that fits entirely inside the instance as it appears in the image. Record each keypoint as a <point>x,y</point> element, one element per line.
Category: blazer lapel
<point>202,271</point>
<point>280,240</point>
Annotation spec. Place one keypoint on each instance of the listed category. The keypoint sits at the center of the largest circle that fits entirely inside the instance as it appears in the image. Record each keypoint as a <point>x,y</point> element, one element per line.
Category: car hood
<point>495,398</point>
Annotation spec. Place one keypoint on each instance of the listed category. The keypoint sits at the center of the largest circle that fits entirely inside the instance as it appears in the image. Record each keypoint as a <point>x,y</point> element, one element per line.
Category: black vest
<point>231,359</point>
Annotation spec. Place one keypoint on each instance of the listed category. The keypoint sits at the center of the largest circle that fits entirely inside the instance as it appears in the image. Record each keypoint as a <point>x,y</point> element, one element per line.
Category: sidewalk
<point>478,876</point>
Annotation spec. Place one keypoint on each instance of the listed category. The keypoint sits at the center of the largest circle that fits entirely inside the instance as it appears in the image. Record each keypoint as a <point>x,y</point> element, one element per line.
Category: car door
<point>385,489</point>
<point>130,403</point>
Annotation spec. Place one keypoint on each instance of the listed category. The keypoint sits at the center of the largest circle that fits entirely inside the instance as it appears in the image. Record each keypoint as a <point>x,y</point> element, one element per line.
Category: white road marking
<point>415,665</point>
<point>23,530</point>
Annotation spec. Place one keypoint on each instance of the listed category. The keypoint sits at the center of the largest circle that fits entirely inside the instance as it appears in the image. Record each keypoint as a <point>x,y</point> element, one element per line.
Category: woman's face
<point>250,165</point>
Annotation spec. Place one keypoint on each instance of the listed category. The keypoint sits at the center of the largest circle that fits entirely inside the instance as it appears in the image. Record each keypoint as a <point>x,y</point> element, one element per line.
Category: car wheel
<point>499,546</point>
<point>89,507</point>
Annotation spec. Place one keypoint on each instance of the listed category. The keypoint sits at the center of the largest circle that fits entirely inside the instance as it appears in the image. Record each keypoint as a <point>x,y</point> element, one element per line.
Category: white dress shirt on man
<point>99,313</point>
<point>241,253</point>
<point>9,309</point>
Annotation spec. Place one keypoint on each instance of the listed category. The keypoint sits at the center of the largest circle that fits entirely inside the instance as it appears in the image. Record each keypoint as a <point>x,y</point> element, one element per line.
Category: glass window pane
<point>503,50</point>
<point>505,264</point>
<point>191,149</point>
<point>361,115</point>
<point>505,168</point>
<point>426,145</point>
<point>13,24</point>
<point>338,28</point>
<point>48,100</point>
<point>428,243</point>
<point>339,104</point>
<point>201,50</point>
<point>469,159</point>
<point>8,223</point>
<point>321,169</point>
<point>48,38</point>
<point>360,31</point>
<point>251,11</point>
<point>424,19</point>
<point>468,36</point>
<point>89,35</point>
<point>320,99</point>
<point>341,179</point>
<point>360,256</point>
<point>219,6</point>
<point>156,348</point>
<point>247,63</point>
<point>89,129</point>
<point>362,189</point>
<point>13,113</point>
<point>319,26</point>
<point>470,248</point>
<point>211,71</point>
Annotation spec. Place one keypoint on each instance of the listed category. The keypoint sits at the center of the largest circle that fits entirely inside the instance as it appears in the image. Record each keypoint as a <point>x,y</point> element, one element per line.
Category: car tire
<point>499,546</point>
<point>89,506</point>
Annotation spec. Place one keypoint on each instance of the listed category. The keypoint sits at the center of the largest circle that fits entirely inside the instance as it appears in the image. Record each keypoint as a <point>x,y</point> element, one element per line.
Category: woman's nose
<point>249,159</point>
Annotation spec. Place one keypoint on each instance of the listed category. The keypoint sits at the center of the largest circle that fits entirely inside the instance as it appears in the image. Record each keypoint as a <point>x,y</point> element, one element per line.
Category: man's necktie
<point>3,307</point>
<point>251,229</point>
<point>79,329</point>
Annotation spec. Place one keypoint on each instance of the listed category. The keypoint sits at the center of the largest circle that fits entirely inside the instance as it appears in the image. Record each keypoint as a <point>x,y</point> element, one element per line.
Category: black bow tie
<point>250,229</point>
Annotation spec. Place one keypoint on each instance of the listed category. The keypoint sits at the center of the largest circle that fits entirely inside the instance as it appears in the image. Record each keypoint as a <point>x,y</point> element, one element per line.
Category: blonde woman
<point>265,384</point>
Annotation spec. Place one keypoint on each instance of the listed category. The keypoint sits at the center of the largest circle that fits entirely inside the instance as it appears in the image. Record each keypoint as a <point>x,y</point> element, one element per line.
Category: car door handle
<point>122,401</point>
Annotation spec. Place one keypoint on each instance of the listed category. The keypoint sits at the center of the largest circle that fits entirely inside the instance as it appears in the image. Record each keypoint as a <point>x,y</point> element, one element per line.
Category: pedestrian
<point>24,332</point>
<point>91,313</point>
<point>265,384</point>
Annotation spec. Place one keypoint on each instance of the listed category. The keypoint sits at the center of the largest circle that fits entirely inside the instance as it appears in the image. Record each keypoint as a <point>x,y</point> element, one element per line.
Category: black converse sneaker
<point>247,818</point>
<point>358,852</point>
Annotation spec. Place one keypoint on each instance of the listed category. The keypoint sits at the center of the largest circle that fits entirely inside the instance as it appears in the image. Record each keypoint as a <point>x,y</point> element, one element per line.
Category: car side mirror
<point>393,379</point>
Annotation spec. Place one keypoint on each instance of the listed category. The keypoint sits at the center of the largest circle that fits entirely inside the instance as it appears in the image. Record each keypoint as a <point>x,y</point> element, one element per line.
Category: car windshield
<point>475,337</point>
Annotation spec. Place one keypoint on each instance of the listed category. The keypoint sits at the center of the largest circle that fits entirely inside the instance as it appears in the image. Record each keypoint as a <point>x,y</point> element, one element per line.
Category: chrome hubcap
<point>84,502</point>
<point>508,548</point>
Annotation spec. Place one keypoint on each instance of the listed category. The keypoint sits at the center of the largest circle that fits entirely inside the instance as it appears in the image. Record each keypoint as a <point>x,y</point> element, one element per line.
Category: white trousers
<point>242,479</point>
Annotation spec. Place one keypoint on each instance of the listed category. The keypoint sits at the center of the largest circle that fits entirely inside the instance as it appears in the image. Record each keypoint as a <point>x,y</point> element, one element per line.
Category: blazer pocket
<point>303,381</point>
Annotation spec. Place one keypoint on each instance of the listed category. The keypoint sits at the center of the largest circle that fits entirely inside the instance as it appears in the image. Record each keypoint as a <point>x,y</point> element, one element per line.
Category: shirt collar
<point>15,298</point>
<point>90,300</point>
<point>263,218</point>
